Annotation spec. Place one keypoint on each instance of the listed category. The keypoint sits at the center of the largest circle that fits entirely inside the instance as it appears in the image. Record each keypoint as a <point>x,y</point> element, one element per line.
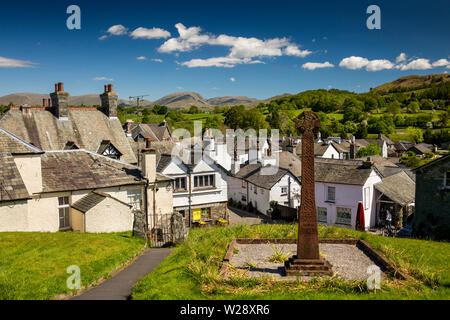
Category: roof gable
<point>12,186</point>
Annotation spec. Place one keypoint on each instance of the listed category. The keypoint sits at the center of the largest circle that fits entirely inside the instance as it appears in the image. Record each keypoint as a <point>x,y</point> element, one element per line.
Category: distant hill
<point>412,82</point>
<point>35,99</point>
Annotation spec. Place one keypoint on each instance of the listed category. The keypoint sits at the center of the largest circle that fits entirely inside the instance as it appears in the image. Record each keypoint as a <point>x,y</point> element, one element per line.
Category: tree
<point>413,107</point>
<point>194,110</point>
<point>158,109</point>
<point>212,122</point>
<point>394,107</point>
<point>175,115</point>
<point>369,150</point>
<point>415,134</point>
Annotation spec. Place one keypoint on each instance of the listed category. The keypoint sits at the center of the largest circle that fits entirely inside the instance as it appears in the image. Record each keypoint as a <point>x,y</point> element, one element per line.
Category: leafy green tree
<point>213,122</point>
<point>158,109</point>
<point>194,110</point>
<point>394,107</point>
<point>415,134</point>
<point>175,115</point>
<point>369,150</point>
<point>413,107</point>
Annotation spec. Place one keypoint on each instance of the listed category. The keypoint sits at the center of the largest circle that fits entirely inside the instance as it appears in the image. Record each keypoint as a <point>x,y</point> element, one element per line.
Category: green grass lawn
<point>191,272</point>
<point>34,265</point>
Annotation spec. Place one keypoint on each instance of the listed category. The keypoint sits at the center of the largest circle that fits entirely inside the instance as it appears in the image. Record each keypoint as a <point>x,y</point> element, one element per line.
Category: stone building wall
<point>432,213</point>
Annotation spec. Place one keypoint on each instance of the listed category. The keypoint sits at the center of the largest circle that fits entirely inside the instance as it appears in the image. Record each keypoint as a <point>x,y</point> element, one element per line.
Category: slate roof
<point>252,173</point>
<point>399,188</point>
<point>86,128</point>
<point>14,145</point>
<point>83,170</point>
<point>351,172</point>
<point>402,145</point>
<point>91,200</point>
<point>422,148</point>
<point>12,186</point>
<point>319,148</point>
<point>154,131</point>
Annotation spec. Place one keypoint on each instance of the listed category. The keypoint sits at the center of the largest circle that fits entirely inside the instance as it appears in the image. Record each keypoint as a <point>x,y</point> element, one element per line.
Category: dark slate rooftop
<point>83,170</point>
<point>12,186</point>
<point>154,131</point>
<point>13,144</point>
<point>351,172</point>
<point>253,174</point>
<point>85,128</point>
<point>399,188</point>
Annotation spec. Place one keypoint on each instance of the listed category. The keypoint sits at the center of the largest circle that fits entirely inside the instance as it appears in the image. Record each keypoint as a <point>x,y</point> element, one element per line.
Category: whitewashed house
<point>258,184</point>
<point>200,186</point>
<point>340,186</point>
<point>76,190</point>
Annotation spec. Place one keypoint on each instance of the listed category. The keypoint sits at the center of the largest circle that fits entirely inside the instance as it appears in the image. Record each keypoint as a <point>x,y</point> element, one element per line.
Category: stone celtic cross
<point>308,242</point>
<point>308,260</point>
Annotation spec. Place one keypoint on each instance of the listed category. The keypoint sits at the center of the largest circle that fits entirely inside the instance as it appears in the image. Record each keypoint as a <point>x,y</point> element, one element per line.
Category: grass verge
<point>34,265</point>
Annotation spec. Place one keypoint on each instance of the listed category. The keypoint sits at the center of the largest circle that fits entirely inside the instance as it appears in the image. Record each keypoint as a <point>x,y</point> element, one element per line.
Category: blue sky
<point>253,48</point>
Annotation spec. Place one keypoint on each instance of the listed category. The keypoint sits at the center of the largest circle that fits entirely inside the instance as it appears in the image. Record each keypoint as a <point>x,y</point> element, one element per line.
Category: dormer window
<point>107,149</point>
<point>70,145</point>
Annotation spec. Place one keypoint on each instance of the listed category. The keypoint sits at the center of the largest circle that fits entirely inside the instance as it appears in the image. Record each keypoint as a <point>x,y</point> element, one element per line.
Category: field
<point>191,272</point>
<point>34,265</point>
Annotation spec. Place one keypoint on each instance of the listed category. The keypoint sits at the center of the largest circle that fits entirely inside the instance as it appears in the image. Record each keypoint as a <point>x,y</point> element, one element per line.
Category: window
<point>64,213</point>
<point>322,215</point>
<point>331,194</point>
<point>134,199</point>
<point>284,190</point>
<point>179,184</point>
<point>244,184</point>
<point>344,216</point>
<point>244,198</point>
<point>207,181</point>
<point>366,198</point>
<point>206,213</point>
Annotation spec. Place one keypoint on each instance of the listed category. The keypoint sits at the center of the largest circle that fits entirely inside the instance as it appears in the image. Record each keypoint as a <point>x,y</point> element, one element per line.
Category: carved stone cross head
<point>307,121</point>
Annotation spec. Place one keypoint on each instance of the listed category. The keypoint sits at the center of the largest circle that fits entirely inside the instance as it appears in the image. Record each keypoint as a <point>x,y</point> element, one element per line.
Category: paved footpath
<point>119,287</point>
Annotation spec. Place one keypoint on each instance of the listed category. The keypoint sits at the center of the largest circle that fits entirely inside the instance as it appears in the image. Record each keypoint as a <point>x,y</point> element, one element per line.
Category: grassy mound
<point>191,272</point>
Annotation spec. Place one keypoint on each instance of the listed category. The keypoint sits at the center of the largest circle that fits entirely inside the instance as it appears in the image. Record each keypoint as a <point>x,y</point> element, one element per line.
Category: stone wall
<point>431,217</point>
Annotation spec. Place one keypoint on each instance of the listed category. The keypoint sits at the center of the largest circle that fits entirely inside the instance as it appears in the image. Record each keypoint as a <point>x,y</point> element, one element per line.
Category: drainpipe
<point>190,196</point>
<point>289,191</point>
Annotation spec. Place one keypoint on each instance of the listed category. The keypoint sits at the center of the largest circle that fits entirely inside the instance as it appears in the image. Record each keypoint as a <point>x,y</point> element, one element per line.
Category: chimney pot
<point>44,103</point>
<point>148,143</point>
<point>56,87</point>
<point>49,102</point>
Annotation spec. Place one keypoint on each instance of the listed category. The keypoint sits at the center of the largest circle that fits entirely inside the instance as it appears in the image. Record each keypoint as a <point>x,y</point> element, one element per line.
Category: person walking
<point>388,219</point>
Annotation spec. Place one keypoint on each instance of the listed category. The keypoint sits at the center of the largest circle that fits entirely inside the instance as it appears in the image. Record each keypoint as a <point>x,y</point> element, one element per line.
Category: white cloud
<point>232,79</point>
<point>180,88</point>
<point>356,63</point>
<point>154,33</point>
<point>141,58</point>
<point>15,63</point>
<point>353,63</point>
<point>377,65</point>
<point>117,30</point>
<point>441,63</point>
<point>293,50</point>
<point>157,60</point>
<point>242,50</point>
<point>401,58</point>
<point>417,64</point>
<point>317,65</point>
<point>103,37</point>
<point>224,62</point>
<point>102,79</point>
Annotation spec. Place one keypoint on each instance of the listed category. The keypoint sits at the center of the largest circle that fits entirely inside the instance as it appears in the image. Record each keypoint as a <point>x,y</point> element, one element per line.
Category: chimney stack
<point>149,164</point>
<point>109,101</point>
<point>44,103</point>
<point>59,100</point>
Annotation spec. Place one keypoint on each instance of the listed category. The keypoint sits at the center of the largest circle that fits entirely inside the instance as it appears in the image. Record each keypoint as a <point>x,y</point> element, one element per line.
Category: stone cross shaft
<point>308,239</point>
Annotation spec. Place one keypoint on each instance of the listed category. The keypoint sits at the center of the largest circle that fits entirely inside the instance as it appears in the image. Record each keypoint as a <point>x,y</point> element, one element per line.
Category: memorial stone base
<point>307,267</point>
